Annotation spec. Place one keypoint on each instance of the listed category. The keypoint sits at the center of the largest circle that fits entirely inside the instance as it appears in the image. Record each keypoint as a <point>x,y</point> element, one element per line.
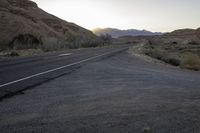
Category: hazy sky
<point>154,15</point>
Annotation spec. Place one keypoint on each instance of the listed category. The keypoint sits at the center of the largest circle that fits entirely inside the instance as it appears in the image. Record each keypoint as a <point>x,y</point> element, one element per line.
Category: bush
<point>24,41</point>
<point>85,42</point>
<point>166,57</point>
<point>73,42</point>
<point>13,54</point>
<point>53,44</point>
<point>90,42</point>
<point>191,61</point>
<point>106,38</point>
<point>10,54</point>
<point>173,60</point>
<point>155,53</point>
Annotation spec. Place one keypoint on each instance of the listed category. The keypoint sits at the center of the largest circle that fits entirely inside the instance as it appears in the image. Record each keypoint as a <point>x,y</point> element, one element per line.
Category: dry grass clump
<point>147,130</point>
<point>160,54</point>
<point>24,52</point>
<point>53,44</point>
<point>191,61</point>
<point>170,58</point>
<point>74,42</point>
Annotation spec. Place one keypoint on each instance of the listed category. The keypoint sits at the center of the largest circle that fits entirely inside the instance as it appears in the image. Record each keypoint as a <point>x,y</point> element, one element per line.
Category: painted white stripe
<point>67,54</point>
<point>52,70</point>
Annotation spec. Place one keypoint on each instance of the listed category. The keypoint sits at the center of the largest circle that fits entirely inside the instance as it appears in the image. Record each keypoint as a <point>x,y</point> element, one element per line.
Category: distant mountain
<point>24,25</point>
<point>118,33</point>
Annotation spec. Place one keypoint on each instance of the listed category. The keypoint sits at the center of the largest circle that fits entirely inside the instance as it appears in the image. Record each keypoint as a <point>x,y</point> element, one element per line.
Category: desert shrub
<point>13,53</point>
<point>74,41</point>
<point>53,44</point>
<point>173,60</point>
<point>106,38</point>
<point>155,53</point>
<point>10,54</point>
<point>24,41</point>
<point>79,41</point>
<point>163,55</point>
<point>26,52</point>
<point>91,42</point>
<point>191,61</point>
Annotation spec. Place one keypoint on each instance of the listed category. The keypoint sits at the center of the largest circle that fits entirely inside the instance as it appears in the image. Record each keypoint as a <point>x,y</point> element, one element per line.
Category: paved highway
<point>25,72</point>
<point>117,94</point>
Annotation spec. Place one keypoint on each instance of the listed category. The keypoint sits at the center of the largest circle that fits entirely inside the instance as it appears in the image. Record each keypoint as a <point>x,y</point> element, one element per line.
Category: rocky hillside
<point>115,33</point>
<point>23,25</point>
<point>182,37</point>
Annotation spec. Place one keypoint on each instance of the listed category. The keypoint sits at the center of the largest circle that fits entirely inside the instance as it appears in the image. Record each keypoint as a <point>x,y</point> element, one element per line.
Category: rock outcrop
<point>24,25</point>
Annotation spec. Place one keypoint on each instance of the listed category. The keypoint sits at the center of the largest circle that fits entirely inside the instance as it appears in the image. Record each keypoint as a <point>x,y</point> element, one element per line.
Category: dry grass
<point>147,130</point>
<point>15,53</point>
<point>53,44</point>
<point>160,54</point>
<point>188,60</point>
<point>191,61</point>
<point>157,53</point>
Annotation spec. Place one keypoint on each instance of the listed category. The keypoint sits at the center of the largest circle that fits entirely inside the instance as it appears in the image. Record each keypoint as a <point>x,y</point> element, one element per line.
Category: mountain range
<point>115,33</point>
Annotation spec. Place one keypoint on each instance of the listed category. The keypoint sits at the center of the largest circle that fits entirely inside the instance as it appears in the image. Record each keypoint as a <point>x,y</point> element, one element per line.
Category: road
<point>117,94</point>
<point>22,73</point>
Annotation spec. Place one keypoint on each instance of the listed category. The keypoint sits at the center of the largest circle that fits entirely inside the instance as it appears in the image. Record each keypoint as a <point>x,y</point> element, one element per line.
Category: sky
<point>153,15</point>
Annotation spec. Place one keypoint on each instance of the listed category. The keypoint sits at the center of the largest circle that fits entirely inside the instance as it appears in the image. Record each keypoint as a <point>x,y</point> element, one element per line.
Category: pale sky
<point>154,15</point>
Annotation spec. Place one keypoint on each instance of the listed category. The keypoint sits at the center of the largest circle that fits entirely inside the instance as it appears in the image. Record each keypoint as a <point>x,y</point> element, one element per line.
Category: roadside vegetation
<point>183,55</point>
<point>191,61</point>
<point>106,39</point>
<point>30,45</point>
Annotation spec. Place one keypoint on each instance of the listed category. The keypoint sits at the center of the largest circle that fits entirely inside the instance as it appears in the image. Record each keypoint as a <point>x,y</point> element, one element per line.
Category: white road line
<point>52,70</point>
<point>67,54</point>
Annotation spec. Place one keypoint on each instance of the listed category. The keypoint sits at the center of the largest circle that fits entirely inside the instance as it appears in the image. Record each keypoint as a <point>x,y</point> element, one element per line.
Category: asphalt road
<point>119,94</point>
<point>22,73</point>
